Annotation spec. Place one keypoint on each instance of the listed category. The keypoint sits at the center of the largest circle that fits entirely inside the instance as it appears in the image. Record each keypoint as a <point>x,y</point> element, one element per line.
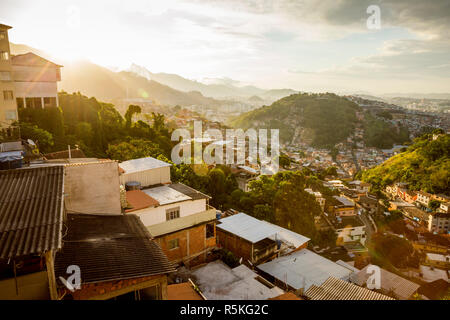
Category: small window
<point>172,213</point>
<point>2,35</point>
<point>174,243</point>
<point>4,55</point>
<point>8,95</point>
<point>210,230</point>
<point>5,75</point>
<point>20,103</point>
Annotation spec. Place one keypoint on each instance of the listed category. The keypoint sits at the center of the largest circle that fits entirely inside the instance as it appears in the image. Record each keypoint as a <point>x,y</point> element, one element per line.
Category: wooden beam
<point>49,262</point>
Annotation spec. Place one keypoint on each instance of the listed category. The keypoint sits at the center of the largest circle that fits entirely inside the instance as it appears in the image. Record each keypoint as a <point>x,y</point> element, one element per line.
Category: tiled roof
<point>139,200</point>
<point>31,210</point>
<point>110,248</point>
<point>31,59</point>
<point>337,289</point>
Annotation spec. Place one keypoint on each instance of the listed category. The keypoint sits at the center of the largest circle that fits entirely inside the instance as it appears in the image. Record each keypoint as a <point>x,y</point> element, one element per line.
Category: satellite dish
<point>31,142</point>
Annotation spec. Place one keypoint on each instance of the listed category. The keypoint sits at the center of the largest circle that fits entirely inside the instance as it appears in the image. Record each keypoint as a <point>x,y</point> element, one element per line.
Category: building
<point>116,257</point>
<point>444,207</point>
<point>177,216</point>
<point>359,186</point>
<point>217,281</point>
<point>147,171</point>
<point>300,270</point>
<point>439,222</point>
<point>424,198</point>
<point>390,283</point>
<point>345,207</point>
<point>31,231</point>
<point>8,107</point>
<point>319,198</point>
<point>337,289</point>
<point>349,229</point>
<point>416,214</point>
<point>368,203</point>
<point>255,240</point>
<point>36,81</point>
<point>438,260</point>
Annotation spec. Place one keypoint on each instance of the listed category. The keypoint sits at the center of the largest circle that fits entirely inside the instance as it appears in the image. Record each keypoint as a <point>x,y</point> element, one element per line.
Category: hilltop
<point>425,165</point>
<point>317,119</point>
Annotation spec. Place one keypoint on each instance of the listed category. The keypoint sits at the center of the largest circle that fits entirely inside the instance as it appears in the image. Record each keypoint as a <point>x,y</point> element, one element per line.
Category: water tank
<point>218,215</point>
<point>132,185</point>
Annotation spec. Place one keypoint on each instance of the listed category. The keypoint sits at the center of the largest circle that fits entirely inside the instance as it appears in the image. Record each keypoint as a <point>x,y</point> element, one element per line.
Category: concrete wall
<point>6,106</point>
<point>36,89</point>
<point>152,216</point>
<point>148,177</point>
<point>32,286</point>
<point>92,188</point>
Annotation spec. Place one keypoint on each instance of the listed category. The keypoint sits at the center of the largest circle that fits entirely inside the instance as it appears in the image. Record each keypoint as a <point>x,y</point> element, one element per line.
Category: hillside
<point>318,119</point>
<point>96,81</point>
<point>425,165</point>
<point>216,90</point>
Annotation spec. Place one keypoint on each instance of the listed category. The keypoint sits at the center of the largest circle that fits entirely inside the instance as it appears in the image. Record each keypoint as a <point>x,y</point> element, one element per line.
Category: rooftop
<point>344,201</point>
<point>438,257</point>
<point>337,289</point>
<point>138,199</point>
<point>304,268</point>
<point>390,282</point>
<point>219,282</point>
<point>166,195</point>
<point>348,222</point>
<point>286,296</point>
<point>108,248</point>
<point>142,164</point>
<point>33,60</point>
<point>31,210</point>
<point>254,230</point>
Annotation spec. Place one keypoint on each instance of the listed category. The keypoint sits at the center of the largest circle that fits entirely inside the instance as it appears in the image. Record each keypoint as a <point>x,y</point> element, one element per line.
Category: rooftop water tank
<point>132,185</point>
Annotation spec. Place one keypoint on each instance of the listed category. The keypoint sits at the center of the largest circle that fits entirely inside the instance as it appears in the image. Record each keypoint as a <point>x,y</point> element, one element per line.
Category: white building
<point>439,222</point>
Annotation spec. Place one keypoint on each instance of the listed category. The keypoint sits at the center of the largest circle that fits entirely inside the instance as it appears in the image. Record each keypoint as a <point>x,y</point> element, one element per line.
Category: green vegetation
<point>425,165</point>
<point>381,134</point>
<point>328,118</point>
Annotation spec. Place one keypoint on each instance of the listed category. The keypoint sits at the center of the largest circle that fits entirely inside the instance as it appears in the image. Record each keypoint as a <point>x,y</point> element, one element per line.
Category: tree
<point>434,204</point>
<point>41,137</point>
<point>132,110</point>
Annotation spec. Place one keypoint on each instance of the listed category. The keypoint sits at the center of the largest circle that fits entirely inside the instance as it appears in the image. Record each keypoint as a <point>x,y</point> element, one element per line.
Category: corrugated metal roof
<point>304,268</point>
<point>190,192</point>
<point>337,289</point>
<point>254,230</point>
<point>110,248</point>
<point>390,282</point>
<point>166,195</point>
<point>31,210</point>
<point>142,164</point>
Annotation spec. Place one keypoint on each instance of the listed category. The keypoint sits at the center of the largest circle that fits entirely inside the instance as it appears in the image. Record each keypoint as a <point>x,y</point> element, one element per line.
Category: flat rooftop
<point>217,281</point>
<point>348,222</point>
<point>142,164</point>
<point>303,269</point>
<point>166,195</point>
<point>344,201</point>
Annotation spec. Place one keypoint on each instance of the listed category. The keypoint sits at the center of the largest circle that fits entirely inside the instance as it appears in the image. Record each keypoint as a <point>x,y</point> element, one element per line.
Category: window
<point>5,75</point>
<point>2,35</point>
<point>20,103</point>
<point>172,213</point>
<point>174,243</point>
<point>210,230</point>
<point>10,115</point>
<point>4,55</point>
<point>8,95</point>
<point>49,102</point>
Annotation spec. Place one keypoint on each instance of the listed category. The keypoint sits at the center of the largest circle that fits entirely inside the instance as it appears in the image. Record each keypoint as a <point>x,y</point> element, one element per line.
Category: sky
<point>306,45</point>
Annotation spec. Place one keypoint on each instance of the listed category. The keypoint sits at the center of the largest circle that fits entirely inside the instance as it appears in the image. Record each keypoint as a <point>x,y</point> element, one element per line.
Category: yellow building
<point>8,107</point>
